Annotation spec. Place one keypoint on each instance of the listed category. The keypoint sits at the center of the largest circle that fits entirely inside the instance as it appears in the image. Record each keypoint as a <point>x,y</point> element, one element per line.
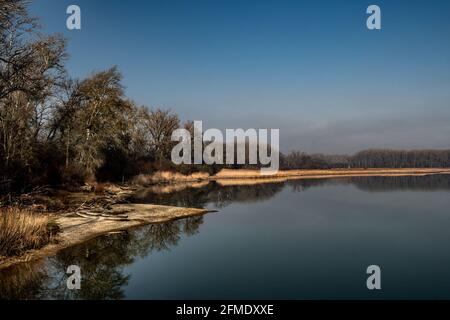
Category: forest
<point>370,158</point>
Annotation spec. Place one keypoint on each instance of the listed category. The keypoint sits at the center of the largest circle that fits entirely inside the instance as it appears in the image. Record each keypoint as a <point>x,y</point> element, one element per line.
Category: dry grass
<point>21,230</point>
<point>243,176</point>
<point>256,174</point>
<point>249,181</point>
<point>166,176</point>
<point>173,177</point>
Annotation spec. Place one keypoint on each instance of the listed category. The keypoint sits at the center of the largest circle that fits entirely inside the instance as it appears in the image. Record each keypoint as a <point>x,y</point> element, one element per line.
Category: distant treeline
<point>373,158</point>
<point>56,130</point>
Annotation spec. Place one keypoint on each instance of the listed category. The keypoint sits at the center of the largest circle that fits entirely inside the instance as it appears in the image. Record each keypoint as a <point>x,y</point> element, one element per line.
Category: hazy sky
<point>310,68</point>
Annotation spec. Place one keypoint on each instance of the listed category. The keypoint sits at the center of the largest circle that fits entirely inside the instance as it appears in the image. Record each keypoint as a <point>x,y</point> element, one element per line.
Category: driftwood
<point>101,209</point>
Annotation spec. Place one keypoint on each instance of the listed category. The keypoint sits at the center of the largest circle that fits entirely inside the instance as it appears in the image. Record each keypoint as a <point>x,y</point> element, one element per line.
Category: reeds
<point>21,230</point>
<point>167,176</point>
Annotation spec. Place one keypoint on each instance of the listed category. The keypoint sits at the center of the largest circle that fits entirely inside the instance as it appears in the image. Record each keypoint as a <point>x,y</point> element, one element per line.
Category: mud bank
<point>76,230</point>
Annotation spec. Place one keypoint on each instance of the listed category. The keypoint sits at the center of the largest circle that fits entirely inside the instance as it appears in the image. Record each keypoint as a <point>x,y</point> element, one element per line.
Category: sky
<point>309,68</point>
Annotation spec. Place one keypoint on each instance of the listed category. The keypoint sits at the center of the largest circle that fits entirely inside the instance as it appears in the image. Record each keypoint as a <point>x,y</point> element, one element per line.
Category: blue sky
<point>310,68</point>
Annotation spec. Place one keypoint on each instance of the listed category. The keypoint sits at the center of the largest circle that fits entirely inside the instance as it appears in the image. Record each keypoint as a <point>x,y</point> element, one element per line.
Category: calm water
<point>302,239</point>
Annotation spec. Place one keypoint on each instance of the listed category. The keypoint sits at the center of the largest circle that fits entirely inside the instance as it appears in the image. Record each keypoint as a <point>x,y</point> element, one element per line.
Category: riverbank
<point>102,209</point>
<point>249,177</point>
<point>77,229</point>
<point>247,174</point>
<point>255,174</point>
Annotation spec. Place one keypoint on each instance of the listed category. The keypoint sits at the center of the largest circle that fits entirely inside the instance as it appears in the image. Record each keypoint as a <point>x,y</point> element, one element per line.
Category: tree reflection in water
<point>380,184</point>
<point>24,281</point>
<point>213,194</point>
<point>101,260</point>
<point>219,196</point>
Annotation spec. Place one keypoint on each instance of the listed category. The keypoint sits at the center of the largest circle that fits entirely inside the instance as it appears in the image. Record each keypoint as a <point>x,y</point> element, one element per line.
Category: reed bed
<point>22,230</point>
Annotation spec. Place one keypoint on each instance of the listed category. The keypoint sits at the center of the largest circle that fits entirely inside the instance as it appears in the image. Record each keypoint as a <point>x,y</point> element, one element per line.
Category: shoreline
<point>77,229</point>
<point>168,178</point>
<point>248,177</point>
<point>313,173</point>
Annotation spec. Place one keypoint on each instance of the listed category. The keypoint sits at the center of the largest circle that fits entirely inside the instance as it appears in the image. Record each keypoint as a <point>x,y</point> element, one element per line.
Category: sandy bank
<point>76,230</point>
<point>228,177</point>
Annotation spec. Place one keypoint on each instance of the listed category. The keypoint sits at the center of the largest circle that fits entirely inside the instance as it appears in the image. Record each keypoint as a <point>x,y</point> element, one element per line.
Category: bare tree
<point>92,118</point>
<point>31,66</point>
<point>160,125</point>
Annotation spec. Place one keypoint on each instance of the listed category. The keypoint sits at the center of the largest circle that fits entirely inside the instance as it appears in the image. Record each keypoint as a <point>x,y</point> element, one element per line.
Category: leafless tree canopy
<point>55,129</point>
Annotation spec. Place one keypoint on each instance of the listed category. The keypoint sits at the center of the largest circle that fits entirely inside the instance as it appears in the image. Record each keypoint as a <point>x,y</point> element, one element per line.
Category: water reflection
<point>413,183</point>
<point>219,196</point>
<point>24,281</point>
<point>101,260</point>
<point>212,195</point>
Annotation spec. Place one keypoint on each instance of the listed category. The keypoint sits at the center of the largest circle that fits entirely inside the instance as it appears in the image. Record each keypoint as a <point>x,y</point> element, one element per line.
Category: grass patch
<point>22,230</point>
